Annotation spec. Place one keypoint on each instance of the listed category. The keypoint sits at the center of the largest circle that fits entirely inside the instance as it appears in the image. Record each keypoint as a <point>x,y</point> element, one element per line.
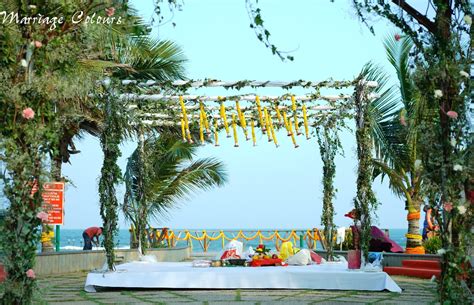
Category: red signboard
<point>53,201</point>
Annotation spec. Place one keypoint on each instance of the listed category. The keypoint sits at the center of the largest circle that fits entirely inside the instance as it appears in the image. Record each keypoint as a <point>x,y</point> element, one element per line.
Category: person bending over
<point>89,234</point>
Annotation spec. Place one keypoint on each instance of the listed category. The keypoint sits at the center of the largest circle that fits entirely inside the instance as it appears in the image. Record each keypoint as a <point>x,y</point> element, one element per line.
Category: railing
<point>167,237</point>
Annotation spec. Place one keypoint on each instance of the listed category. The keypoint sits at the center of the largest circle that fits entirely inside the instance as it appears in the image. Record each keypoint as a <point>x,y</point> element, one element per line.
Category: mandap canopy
<point>169,104</point>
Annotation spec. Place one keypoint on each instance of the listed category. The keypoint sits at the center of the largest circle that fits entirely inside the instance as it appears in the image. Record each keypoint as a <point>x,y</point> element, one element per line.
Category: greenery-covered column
<point>365,199</point>
<point>110,139</point>
<point>329,144</point>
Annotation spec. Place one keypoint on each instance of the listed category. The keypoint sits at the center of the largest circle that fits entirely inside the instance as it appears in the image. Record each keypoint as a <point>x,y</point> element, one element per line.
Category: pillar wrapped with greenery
<point>329,145</point>
<point>365,200</point>
<point>110,139</point>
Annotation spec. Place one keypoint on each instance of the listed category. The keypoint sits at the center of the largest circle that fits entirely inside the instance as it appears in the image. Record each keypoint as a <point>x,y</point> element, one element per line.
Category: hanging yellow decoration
<point>272,130</point>
<point>292,134</point>
<point>243,123</point>
<point>260,116</point>
<point>224,119</point>
<point>305,121</point>
<point>278,114</point>
<point>254,138</point>
<point>201,127</point>
<point>216,133</point>
<point>183,129</point>
<point>185,117</point>
<point>206,122</point>
<point>267,124</point>
<point>287,125</point>
<point>295,115</point>
<point>234,127</point>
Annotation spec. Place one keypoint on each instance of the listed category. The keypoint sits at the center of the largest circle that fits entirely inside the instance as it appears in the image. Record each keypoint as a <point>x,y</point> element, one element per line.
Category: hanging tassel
<point>278,114</point>
<point>243,123</point>
<point>272,130</point>
<point>201,127</point>
<point>287,125</point>
<point>206,122</point>
<point>260,116</point>
<point>295,115</point>
<point>183,130</point>
<point>185,117</point>
<point>254,138</point>
<point>305,121</point>
<point>216,133</point>
<point>234,127</point>
<point>293,135</point>
<point>224,119</point>
<point>267,124</point>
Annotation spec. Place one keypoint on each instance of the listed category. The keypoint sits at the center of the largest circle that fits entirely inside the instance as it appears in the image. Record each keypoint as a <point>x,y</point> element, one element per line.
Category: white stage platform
<point>184,276</point>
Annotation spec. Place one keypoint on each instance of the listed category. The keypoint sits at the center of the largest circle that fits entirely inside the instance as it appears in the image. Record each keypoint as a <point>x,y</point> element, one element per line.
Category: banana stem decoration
<point>216,133</point>
<point>204,116</point>
<point>293,135</point>
<point>287,125</point>
<point>295,114</point>
<point>254,138</point>
<point>267,124</point>
<point>234,128</point>
<point>305,121</point>
<point>243,123</point>
<point>185,118</point>
<point>224,119</point>
<point>260,116</point>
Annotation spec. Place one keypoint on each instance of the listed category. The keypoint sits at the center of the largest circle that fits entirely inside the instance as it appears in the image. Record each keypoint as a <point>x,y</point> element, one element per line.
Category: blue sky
<point>268,187</point>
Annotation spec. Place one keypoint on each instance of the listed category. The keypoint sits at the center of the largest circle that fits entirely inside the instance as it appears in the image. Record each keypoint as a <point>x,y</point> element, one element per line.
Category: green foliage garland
<point>110,139</point>
<point>329,144</point>
<point>365,200</point>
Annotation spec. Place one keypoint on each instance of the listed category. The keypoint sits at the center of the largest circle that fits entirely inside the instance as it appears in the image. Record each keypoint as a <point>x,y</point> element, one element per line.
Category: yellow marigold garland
<point>224,119</point>
<point>260,115</point>
<point>295,115</point>
<point>267,124</point>
<point>216,133</point>
<point>234,128</point>
<point>305,121</point>
<point>254,138</point>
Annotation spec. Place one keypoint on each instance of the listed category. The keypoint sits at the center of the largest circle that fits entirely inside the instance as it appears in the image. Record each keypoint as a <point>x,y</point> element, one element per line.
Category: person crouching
<point>89,234</point>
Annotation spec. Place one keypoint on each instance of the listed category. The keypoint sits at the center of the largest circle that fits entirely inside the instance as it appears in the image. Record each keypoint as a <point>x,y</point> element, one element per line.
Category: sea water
<point>71,239</point>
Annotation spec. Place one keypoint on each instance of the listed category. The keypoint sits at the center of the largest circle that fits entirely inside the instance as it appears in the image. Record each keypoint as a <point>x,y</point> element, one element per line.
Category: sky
<point>268,187</point>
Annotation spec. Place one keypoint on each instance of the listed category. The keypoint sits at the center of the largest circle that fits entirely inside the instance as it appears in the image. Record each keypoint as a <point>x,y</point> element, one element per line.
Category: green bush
<point>432,245</point>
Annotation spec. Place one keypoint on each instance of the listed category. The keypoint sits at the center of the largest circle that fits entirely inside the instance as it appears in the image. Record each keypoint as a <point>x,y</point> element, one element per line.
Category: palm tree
<point>395,138</point>
<point>160,174</point>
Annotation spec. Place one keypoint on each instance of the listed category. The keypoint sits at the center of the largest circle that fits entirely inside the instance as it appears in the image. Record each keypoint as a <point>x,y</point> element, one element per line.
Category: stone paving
<point>68,289</point>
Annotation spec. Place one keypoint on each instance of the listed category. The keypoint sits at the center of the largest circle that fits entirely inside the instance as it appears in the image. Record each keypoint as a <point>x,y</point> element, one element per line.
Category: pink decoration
<point>42,215</point>
<point>110,11</point>
<point>403,120</point>
<point>397,37</point>
<point>38,44</point>
<point>28,113</point>
<point>31,274</point>
<point>452,114</point>
<point>448,206</point>
<point>353,259</point>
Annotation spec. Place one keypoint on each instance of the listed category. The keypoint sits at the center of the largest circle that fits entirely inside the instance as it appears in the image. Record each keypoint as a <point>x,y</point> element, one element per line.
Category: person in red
<point>89,235</point>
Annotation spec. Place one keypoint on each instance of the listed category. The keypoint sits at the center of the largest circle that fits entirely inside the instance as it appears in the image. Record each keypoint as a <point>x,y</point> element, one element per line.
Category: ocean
<point>71,240</point>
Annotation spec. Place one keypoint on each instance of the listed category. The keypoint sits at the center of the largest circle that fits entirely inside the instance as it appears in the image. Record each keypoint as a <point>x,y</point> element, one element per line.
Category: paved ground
<point>68,289</point>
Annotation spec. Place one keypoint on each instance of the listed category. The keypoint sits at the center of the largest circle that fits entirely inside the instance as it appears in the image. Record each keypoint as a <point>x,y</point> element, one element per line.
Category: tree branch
<point>410,10</point>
